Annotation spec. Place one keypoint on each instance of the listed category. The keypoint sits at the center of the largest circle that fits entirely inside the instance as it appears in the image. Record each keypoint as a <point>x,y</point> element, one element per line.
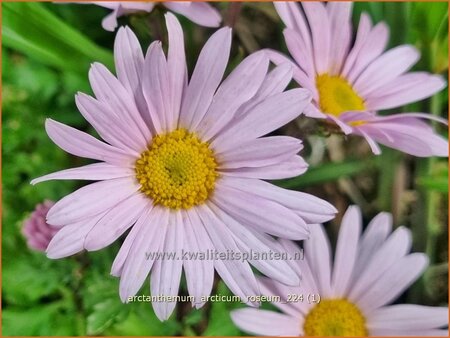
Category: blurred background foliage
<point>46,52</point>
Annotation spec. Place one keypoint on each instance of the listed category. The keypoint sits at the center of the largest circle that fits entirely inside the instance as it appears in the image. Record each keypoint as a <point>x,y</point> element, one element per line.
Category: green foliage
<point>46,53</point>
<point>33,30</point>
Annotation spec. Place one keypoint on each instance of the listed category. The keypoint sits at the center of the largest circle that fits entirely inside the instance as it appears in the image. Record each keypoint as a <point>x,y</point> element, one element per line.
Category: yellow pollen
<point>335,317</point>
<point>337,96</point>
<point>177,170</point>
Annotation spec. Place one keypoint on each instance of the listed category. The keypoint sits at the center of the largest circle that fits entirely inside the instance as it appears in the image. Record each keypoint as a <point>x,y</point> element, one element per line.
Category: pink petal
<point>176,63</point>
<point>412,139</point>
<point>109,22</point>
<point>70,239</point>
<point>249,242</point>
<point>298,74</point>
<point>205,79</point>
<point>202,13</point>
<point>110,91</point>
<point>265,323</point>
<point>260,152</point>
<point>292,167</point>
<point>129,61</point>
<point>318,254</point>
<point>239,87</point>
<point>269,287</point>
<point>372,239</point>
<point>149,242</point>
<point>108,125</point>
<point>92,172</point>
<point>296,47</point>
<point>298,201</point>
<point>386,68</point>
<point>320,31</point>
<point>393,282</point>
<point>156,87</point>
<point>260,213</point>
<point>116,222</point>
<point>407,88</point>
<point>275,82</point>
<point>364,29</point>
<point>91,200</point>
<point>388,254</point>
<point>81,144</point>
<point>166,274</point>
<point>371,48</point>
<point>121,257</point>
<point>346,250</point>
<point>199,273</point>
<point>308,283</point>
<point>408,317</point>
<point>340,15</point>
<point>294,19</point>
<point>409,333</point>
<point>236,274</point>
<point>266,117</point>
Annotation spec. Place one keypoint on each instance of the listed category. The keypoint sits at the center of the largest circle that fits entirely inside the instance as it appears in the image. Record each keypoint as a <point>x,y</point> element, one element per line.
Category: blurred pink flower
<point>202,13</point>
<point>370,271</point>
<point>184,167</point>
<point>351,81</point>
<point>36,230</point>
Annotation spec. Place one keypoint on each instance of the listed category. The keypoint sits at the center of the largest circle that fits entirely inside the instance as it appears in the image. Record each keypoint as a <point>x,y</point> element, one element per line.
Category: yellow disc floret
<point>337,96</point>
<point>177,170</point>
<point>335,317</point>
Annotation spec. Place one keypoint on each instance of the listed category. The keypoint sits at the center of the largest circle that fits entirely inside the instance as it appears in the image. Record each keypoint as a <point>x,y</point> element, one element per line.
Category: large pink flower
<point>183,167</point>
<point>350,81</point>
<point>201,13</point>
<point>370,270</point>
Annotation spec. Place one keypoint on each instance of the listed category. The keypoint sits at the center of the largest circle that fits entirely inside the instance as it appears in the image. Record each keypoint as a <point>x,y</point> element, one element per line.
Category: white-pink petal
<point>91,200</point>
<point>260,152</point>
<point>152,230</point>
<point>199,273</point>
<point>166,273</point>
<point>408,317</point>
<point>236,274</point>
<point>81,144</point>
<point>346,250</point>
<point>176,63</point>
<point>269,115</point>
<point>239,87</point>
<point>116,222</point>
<point>266,323</point>
<point>260,213</point>
<point>205,79</point>
<point>70,239</point>
<point>92,172</point>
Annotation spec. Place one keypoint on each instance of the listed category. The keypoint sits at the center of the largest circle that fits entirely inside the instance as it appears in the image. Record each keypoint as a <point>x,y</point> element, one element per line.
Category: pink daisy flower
<point>183,167</point>
<point>351,80</point>
<point>202,13</point>
<point>369,272</point>
<point>36,230</point>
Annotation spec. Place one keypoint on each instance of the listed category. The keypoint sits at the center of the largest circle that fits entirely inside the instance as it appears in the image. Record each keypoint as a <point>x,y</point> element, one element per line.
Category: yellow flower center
<point>177,170</point>
<point>335,317</point>
<point>336,95</point>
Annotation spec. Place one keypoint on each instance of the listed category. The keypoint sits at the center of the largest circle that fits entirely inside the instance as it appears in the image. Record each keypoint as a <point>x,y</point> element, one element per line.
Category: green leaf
<point>105,314</point>
<point>436,182</point>
<point>326,173</point>
<point>42,320</point>
<point>33,30</point>
<point>24,281</point>
<point>220,323</point>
